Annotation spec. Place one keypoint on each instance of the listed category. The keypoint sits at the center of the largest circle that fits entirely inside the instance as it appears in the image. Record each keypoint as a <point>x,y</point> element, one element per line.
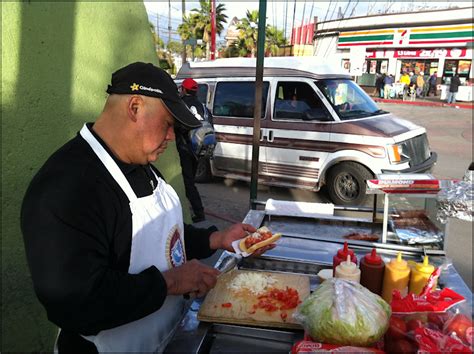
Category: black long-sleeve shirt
<point>77,228</point>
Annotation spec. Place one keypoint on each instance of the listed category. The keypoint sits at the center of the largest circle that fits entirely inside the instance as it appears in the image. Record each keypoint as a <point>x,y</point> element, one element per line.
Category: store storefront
<point>430,41</point>
<point>445,62</point>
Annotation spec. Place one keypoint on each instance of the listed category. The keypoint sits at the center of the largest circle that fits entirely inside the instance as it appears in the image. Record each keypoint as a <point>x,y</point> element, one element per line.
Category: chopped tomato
<point>283,316</point>
<point>256,238</point>
<point>276,299</point>
<point>227,305</point>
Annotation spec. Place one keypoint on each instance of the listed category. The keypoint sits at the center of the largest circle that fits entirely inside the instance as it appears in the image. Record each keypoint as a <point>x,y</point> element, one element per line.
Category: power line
<point>337,27</point>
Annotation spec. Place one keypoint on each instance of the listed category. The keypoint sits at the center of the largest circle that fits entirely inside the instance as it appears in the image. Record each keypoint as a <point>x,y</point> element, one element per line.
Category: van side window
<point>202,93</point>
<point>237,99</point>
<point>298,101</point>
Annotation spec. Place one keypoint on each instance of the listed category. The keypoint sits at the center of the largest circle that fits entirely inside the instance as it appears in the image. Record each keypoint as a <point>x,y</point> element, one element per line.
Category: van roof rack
<point>274,66</point>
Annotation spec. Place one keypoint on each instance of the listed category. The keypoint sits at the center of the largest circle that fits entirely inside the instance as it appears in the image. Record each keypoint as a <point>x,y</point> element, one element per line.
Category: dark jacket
<point>455,83</point>
<point>183,142</point>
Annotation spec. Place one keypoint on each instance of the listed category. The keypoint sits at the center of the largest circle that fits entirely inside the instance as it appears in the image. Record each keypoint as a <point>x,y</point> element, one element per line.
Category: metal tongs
<point>229,262</point>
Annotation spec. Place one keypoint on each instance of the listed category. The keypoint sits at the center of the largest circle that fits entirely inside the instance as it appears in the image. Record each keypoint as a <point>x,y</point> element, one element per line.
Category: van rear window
<point>237,99</point>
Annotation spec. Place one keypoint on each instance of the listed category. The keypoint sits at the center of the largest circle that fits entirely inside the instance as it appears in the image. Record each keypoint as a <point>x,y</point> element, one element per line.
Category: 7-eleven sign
<point>402,37</point>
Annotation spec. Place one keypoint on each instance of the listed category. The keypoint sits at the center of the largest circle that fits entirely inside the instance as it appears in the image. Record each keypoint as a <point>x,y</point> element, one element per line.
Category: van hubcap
<point>347,186</point>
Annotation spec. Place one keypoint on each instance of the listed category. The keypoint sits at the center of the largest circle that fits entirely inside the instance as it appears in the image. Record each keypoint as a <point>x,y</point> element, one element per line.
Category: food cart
<point>309,242</point>
<point>312,235</point>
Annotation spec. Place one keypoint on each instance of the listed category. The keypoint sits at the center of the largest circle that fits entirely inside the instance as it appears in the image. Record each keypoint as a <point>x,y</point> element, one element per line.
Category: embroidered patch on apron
<point>175,248</point>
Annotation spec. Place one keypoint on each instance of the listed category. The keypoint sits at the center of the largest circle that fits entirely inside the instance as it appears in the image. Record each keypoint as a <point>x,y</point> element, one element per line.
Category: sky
<point>158,11</point>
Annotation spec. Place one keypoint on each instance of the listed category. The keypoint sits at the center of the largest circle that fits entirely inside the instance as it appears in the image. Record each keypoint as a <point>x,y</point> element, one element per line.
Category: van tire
<point>346,183</point>
<point>203,170</point>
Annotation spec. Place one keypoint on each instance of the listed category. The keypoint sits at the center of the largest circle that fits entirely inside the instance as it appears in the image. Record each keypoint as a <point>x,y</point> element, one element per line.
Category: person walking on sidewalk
<point>388,81</point>
<point>379,84</point>
<point>432,83</point>
<point>405,80</point>
<point>420,83</point>
<point>189,160</point>
<point>453,89</point>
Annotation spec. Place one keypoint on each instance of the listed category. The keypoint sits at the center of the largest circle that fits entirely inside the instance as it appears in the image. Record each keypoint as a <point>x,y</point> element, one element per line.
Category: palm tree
<point>274,40</point>
<point>248,27</point>
<point>198,23</point>
<point>187,30</point>
<point>203,23</point>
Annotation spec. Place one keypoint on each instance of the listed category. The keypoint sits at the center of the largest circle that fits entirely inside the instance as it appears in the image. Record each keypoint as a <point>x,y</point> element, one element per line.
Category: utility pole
<point>213,29</point>
<point>183,11</point>
<point>158,24</point>
<point>169,22</point>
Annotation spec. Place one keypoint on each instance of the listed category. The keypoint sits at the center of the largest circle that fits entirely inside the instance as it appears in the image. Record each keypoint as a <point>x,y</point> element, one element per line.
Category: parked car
<point>318,127</point>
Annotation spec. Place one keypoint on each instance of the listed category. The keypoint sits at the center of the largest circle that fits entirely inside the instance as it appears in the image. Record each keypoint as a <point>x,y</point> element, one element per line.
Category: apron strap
<point>108,162</point>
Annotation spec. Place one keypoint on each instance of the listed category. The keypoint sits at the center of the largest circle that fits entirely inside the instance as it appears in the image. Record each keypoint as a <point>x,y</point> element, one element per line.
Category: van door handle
<point>270,136</point>
<point>262,137</point>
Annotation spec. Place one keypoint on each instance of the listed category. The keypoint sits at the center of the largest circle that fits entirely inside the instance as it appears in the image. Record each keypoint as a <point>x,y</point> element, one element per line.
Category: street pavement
<point>450,135</point>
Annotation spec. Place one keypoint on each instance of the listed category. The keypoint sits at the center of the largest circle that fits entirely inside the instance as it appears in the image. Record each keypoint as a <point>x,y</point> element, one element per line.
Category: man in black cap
<point>109,255</point>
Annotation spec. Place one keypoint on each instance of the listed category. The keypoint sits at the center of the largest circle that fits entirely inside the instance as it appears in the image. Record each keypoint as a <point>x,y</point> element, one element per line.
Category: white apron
<point>157,239</point>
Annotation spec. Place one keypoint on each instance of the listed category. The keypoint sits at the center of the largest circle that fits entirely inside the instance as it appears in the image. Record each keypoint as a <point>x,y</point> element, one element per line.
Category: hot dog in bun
<point>260,238</point>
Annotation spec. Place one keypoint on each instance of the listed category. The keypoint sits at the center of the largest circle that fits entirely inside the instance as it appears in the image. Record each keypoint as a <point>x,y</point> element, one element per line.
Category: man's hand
<point>223,239</point>
<point>192,277</point>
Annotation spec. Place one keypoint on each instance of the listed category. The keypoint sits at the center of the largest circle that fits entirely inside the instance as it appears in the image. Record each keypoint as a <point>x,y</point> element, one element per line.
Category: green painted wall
<point>57,59</point>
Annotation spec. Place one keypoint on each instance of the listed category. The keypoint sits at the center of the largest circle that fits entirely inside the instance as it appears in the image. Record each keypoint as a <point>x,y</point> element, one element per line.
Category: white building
<point>427,41</point>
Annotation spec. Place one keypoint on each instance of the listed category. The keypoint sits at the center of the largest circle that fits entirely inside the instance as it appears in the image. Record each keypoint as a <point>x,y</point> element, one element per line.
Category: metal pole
<point>169,22</point>
<point>183,12</point>
<point>262,13</point>
<point>213,29</point>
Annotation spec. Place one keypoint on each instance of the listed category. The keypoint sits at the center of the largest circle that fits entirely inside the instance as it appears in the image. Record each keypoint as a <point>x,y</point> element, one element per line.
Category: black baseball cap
<point>148,80</point>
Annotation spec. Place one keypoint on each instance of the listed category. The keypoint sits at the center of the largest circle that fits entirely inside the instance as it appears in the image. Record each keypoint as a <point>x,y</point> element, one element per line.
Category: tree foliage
<point>198,24</point>
<point>246,44</point>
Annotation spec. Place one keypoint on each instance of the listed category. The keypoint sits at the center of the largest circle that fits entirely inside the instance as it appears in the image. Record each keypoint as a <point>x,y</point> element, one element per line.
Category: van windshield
<point>348,99</point>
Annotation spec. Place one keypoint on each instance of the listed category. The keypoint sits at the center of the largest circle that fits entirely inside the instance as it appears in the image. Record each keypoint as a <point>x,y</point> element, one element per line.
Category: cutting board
<point>242,311</point>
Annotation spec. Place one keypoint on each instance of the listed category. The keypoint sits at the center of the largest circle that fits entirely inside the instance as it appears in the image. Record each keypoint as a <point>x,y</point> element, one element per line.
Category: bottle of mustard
<point>396,276</point>
<point>420,275</point>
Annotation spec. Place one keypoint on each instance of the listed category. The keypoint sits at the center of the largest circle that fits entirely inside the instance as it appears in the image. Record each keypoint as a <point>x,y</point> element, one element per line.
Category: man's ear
<point>135,103</point>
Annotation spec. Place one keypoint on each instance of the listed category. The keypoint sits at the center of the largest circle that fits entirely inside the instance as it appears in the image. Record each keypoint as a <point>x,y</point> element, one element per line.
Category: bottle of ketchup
<point>372,268</point>
<point>341,256</point>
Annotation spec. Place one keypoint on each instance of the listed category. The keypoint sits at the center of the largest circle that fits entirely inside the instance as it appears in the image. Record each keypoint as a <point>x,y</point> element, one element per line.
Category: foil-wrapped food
<point>456,201</point>
<point>414,227</point>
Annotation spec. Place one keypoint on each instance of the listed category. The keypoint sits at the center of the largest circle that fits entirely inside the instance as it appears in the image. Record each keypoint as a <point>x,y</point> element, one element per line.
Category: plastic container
<point>420,275</point>
<point>372,268</point>
<point>341,256</point>
<point>348,270</point>
<point>396,276</point>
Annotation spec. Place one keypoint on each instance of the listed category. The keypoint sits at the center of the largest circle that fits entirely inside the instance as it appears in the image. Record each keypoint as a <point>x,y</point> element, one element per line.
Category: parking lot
<point>450,135</point>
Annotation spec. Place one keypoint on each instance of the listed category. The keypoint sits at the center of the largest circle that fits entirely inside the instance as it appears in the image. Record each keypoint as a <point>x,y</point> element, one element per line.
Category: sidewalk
<point>427,102</point>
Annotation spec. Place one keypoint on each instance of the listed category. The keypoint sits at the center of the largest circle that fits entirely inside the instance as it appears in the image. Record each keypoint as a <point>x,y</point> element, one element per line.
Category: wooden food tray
<point>241,311</point>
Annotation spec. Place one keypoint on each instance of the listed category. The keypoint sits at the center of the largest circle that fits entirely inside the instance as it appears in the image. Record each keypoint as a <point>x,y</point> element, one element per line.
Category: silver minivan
<point>318,127</point>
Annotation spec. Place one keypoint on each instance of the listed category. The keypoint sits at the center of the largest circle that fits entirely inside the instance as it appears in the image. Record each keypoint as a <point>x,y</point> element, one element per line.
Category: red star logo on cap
<point>135,87</point>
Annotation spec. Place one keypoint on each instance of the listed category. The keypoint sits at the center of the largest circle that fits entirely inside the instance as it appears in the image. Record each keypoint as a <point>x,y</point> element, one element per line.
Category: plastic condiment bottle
<point>372,268</point>
<point>348,270</point>
<point>396,276</point>
<point>341,256</point>
<point>420,275</point>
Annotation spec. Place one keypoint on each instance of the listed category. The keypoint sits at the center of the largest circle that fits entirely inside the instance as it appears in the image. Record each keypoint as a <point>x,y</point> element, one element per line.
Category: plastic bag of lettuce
<point>344,312</point>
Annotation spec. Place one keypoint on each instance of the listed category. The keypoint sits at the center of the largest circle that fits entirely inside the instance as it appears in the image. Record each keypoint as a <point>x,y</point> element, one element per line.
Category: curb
<point>425,104</point>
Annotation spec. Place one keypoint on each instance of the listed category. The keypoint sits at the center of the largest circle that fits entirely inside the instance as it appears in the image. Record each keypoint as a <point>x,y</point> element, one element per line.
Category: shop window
<point>453,67</point>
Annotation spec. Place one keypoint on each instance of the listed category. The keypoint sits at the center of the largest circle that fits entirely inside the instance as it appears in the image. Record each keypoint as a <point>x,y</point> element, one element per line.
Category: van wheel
<point>346,183</point>
<point>203,171</point>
